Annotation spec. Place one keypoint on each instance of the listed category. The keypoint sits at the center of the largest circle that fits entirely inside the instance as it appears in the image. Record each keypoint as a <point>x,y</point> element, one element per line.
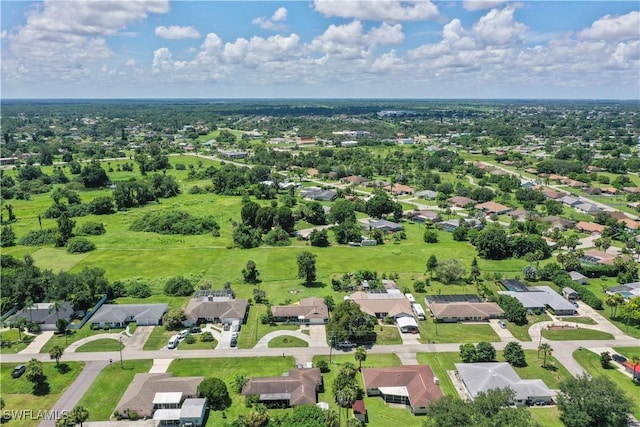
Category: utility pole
<point>120,347</point>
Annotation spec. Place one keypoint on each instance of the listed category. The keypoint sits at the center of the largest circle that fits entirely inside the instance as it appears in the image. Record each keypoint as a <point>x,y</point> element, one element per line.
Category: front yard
<point>455,332</point>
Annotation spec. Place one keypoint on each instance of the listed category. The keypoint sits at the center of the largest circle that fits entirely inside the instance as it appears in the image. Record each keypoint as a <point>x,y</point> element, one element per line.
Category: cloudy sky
<point>320,49</point>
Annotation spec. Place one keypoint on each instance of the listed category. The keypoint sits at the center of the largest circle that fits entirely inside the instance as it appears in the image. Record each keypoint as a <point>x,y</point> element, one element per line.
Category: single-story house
<point>306,233</point>
<point>354,179</point>
<point>193,412</point>
<point>461,201</point>
<point>482,377</point>
<point>308,311</point>
<point>293,388</point>
<point>452,224</point>
<point>630,224</point>
<point>632,369</point>
<point>465,311</point>
<point>233,154</point>
<point>558,222</point>
<point>383,305</point>
<point>426,194</point>
<point>148,393</point>
<point>632,190</point>
<point>553,194</point>
<point>491,208</point>
<point>424,216</point>
<point>381,224</point>
<point>119,315</point>
<point>597,257</point>
<point>588,208</point>
<point>589,227</point>
<point>569,201</point>
<point>45,315</point>
<point>398,189</point>
<point>522,215</point>
<point>570,294</point>
<point>412,385</point>
<point>578,277</point>
<point>628,290</point>
<point>543,298</point>
<point>407,324</point>
<point>217,307</point>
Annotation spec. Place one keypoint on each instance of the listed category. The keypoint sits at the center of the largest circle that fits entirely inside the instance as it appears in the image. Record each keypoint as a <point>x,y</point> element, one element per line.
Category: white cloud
<point>176,32</point>
<point>473,5</point>
<point>131,62</point>
<point>613,28</point>
<point>498,28</point>
<point>379,10</point>
<point>273,23</point>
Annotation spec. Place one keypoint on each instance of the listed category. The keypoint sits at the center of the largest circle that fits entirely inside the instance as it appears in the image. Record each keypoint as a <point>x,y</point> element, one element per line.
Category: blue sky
<point>320,49</point>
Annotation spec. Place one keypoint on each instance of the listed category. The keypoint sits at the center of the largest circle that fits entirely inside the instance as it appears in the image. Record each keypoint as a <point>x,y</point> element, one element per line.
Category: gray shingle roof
<point>119,313</point>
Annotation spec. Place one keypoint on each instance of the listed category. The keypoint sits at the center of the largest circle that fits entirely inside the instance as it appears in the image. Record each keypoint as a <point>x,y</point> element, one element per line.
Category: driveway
<point>602,323</point>
<point>74,345</point>
<point>139,337</point>
<point>503,333</point>
<point>38,342</point>
<point>264,341</point>
<point>318,336</point>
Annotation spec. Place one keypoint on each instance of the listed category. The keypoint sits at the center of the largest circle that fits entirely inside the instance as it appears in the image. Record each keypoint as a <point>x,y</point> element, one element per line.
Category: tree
<point>284,218</point>
<point>354,422</point>
<point>8,237</point>
<point>485,352</point>
<point>514,354</point>
<point>468,352</point>
<point>360,356</point>
<point>475,272</point>
<point>379,204</point>
<point>93,176</point>
<point>546,350</point>
<point>514,311</point>
<point>348,322</point>
<point>430,236</point>
<point>9,208</point>
<point>65,229</point>
<point>34,372</point>
<point>19,323</point>
<point>307,267</point>
<point>174,319</point>
<point>347,232</point>
<point>342,211</point>
<point>257,417</point>
<point>238,383</point>
<point>450,271</point>
<point>592,402</point>
<point>492,242</point>
<point>56,353</point>
<point>250,273</point>
<point>79,415</point>
<point>178,286</point>
<point>65,421</point>
<point>319,238</point>
<point>215,391</point>
<point>605,360</point>
<point>432,263</point>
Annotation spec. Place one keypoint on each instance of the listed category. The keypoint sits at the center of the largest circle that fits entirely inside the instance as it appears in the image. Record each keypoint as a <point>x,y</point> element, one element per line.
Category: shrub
<point>419,286</point>
<point>77,245</point>
<point>174,222</point>
<point>178,286</point>
<point>139,290</point>
<point>323,366</point>
<point>180,167</point>
<point>207,337</point>
<point>277,237</point>
<point>90,229</point>
<point>39,237</point>
<point>190,339</point>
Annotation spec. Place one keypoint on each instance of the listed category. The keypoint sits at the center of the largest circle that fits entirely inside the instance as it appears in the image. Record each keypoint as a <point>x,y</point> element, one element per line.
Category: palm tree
<point>546,350</point>
<point>19,323</point>
<point>239,381</point>
<point>56,353</point>
<point>611,302</point>
<point>29,304</point>
<point>56,306</point>
<point>9,209</point>
<point>619,299</point>
<point>79,415</point>
<point>361,356</point>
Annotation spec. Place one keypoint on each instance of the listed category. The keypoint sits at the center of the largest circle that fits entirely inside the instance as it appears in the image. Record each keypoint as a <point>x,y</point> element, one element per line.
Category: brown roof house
<point>589,227</point>
<point>465,311</point>
<point>148,393</point>
<point>383,305</point>
<point>398,189</point>
<point>461,201</point>
<point>491,208</point>
<point>412,385</point>
<point>354,179</point>
<point>308,311</point>
<point>293,388</point>
<point>216,306</point>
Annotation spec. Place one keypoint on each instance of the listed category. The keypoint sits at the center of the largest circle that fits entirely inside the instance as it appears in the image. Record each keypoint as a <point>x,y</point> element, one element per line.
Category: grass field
<point>253,330</point>
<point>628,352</point>
<point>546,416</point>
<point>103,344</point>
<point>441,363</point>
<point>11,343</point>
<point>287,342</point>
<point>158,339</point>
<point>521,332</point>
<point>107,389</point>
<point>582,320</point>
<point>17,392</point>
<point>198,345</point>
<point>534,370</point>
<point>591,363</point>
<point>576,334</point>
<point>456,332</point>
<point>73,336</point>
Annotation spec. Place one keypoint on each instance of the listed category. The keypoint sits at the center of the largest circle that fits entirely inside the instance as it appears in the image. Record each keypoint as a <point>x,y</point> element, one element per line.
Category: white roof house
<point>542,297</point>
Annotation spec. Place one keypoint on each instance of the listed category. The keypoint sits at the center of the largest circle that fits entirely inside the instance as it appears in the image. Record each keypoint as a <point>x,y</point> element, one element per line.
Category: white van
<point>183,333</point>
<point>173,342</point>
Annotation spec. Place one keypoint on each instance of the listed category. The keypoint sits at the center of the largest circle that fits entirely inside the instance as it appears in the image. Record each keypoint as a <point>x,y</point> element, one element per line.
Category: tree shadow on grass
<point>41,388</point>
<point>63,368</point>
<point>314,284</point>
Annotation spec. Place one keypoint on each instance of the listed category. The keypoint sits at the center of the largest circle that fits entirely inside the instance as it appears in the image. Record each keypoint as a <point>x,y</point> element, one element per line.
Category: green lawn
<point>17,392</point>
<point>253,330</point>
<point>103,344</point>
<point>441,363</point>
<point>198,345</point>
<point>575,334</point>
<point>11,343</point>
<point>158,339</point>
<point>387,335</point>
<point>551,376</point>
<point>226,369</point>
<point>380,414</point>
<point>628,352</point>
<point>582,320</point>
<point>287,342</point>
<point>73,336</point>
<point>597,286</point>
<point>456,332</point>
<point>521,332</point>
<point>591,363</point>
<point>108,388</point>
<point>546,416</point>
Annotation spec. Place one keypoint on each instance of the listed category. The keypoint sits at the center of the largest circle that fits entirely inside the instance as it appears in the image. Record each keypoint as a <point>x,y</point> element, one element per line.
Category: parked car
<point>173,342</point>
<point>503,324</point>
<point>195,330</point>
<point>226,327</point>
<point>234,342</point>
<point>183,333</point>
<point>18,371</point>
<point>346,344</point>
<point>618,358</point>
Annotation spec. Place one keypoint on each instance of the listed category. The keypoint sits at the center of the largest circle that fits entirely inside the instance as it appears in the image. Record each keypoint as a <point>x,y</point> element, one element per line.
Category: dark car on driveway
<point>18,371</point>
<point>618,358</point>
<point>234,342</point>
<point>195,330</point>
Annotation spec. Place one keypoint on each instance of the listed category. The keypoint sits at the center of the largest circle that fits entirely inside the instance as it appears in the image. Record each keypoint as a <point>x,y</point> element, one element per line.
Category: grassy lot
<point>628,352</point>
<point>198,345</point>
<point>103,344</point>
<point>575,334</point>
<point>591,363</point>
<point>17,392</point>
<point>583,320</point>
<point>109,387</point>
<point>521,332</point>
<point>11,343</point>
<point>455,332</point>
<point>251,333</point>
<point>287,342</point>
<point>226,369</point>
<point>547,416</point>
<point>441,363</point>
<point>73,336</point>
<point>387,335</point>
<point>551,376</point>
<point>380,414</point>
<point>158,339</point>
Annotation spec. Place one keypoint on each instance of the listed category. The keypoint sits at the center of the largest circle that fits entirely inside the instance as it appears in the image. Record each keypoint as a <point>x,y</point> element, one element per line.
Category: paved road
<point>74,393</point>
